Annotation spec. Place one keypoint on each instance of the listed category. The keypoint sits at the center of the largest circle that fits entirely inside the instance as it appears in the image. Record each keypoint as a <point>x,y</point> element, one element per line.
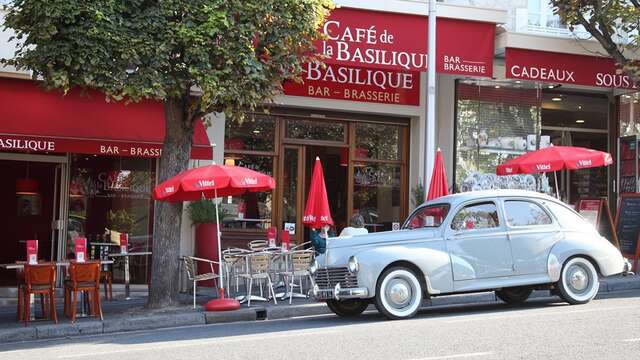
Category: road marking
<point>192,343</point>
<point>457,356</point>
<point>632,340</point>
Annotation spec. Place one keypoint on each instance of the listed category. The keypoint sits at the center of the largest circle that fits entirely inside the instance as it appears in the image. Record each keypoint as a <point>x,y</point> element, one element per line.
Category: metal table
<point>127,277</point>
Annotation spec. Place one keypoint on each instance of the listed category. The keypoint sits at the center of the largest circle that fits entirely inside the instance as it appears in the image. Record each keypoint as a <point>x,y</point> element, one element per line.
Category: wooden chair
<point>83,278</point>
<point>39,279</point>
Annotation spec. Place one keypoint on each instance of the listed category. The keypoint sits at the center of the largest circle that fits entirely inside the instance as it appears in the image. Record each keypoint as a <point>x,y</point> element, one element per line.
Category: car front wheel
<point>514,295</point>
<point>347,308</point>
<point>398,293</point>
<point>578,281</point>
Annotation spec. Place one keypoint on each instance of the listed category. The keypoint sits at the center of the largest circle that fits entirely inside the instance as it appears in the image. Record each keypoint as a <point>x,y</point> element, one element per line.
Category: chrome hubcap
<point>578,278</point>
<point>399,293</point>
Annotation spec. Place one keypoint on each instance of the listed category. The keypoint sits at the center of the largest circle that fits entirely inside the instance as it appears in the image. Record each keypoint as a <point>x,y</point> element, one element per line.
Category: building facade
<point>511,78</point>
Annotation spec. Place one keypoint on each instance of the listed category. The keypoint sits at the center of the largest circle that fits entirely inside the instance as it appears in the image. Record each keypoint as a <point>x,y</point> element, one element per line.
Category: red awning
<point>38,121</point>
<point>552,67</point>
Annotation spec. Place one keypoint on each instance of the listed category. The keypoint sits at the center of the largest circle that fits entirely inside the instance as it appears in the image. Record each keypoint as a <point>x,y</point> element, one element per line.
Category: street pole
<point>430,122</point>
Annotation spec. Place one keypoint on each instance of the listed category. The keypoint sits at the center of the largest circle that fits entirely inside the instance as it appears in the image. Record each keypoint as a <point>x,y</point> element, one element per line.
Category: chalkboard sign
<point>628,223</point>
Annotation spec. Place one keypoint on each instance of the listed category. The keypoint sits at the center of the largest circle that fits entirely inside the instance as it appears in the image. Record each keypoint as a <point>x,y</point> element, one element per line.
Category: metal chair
<point>300,261</point>
<point>189,265</point>
<point>258,268</point>
<point>258,245</point>
<point>234,265</point>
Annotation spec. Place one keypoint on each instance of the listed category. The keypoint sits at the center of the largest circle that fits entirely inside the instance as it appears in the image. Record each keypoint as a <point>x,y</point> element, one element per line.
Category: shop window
<point>495,123</point>
<point>378,141</point>
<point>251,210</point>
<point>376,195</point>
<point>629,114</point>
<point>305,129</point>
<point>109,195</point>
<point>253,132</point>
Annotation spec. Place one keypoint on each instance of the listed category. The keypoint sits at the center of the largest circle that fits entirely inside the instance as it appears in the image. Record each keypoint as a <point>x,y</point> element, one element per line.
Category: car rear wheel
<point>578,281</point>
<point>347,308</point>
<point>514,295</point>
<point>398,293</point>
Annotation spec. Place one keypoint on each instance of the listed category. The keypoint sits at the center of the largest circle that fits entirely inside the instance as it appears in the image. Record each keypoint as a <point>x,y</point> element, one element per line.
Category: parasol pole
<point>555,176</point>
<point>220,270</point>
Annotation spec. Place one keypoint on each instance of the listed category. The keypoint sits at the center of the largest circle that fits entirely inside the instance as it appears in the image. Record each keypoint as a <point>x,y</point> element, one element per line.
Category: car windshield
<point>429,216</point>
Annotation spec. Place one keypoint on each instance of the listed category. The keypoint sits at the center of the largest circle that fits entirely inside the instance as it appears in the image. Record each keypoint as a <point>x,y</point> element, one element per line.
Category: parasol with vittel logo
<point>555,158</point>
<point>210,182</point>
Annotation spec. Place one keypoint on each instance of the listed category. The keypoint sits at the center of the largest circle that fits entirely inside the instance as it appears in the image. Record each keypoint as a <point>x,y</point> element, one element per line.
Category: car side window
<point>525,213</point>
<point>476,216</point>
<point>430,216</point>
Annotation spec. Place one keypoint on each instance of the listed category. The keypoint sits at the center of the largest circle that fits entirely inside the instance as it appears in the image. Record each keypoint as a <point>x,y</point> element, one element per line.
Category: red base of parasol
<point>222,304</point>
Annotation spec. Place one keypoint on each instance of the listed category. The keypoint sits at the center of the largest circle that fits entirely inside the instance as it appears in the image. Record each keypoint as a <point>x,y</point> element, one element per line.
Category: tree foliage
<point>614,23</point>
<point>196,56</point>
<point>235,52</point>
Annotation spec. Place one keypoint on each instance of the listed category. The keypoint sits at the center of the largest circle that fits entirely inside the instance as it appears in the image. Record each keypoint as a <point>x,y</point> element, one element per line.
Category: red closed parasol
<point>210,182</point>
<point>317,212</point>
<point>438,186</point>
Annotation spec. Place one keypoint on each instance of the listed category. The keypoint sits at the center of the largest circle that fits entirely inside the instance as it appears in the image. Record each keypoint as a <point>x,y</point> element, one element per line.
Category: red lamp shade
<point>26,187</point>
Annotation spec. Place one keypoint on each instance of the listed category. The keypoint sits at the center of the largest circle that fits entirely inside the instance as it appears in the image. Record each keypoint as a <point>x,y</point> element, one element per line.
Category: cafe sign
<point>374,39</point>
<point>373,56</point>
<point>573,69</point>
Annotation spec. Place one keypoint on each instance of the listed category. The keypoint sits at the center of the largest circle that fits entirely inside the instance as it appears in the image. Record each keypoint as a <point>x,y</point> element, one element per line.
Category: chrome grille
<point>329,277</point>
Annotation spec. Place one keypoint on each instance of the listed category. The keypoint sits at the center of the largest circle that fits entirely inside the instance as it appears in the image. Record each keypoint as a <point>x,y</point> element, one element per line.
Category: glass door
<point>292,191</point>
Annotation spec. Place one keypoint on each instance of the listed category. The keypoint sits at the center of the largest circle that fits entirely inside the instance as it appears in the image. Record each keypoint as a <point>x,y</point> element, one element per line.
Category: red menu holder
<point>32,252</point>
<point>285,240</point>
<point>124,243</point>
<point>271,236</point>
<point>81,249</point>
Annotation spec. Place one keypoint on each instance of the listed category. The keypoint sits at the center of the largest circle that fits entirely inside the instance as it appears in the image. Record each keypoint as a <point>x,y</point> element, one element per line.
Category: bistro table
<point>127,277</point>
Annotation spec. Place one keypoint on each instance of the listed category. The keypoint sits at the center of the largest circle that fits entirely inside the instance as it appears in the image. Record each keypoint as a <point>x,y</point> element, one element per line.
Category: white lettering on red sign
<point>455,64</point>
<point>542,73</point>
<point>614,80</point>
<point>584,163</point>
<point>109,150</point>
<point>382,79</point>
<point>543,167</point>
<point>33,145</point>
<point>344,36</point>
<point>250,181</point>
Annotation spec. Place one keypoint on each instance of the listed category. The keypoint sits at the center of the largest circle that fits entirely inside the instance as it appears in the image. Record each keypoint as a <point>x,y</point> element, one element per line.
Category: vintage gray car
<point>508,241</point>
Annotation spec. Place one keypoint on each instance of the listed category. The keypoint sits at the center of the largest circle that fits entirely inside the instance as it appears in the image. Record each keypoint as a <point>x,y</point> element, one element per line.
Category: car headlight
<point>313,267</point>
<point>352,265</point>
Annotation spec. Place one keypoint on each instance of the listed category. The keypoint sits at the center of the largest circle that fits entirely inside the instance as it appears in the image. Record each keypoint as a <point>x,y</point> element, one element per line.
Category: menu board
<point>597,212</point>
<point>628,222</point>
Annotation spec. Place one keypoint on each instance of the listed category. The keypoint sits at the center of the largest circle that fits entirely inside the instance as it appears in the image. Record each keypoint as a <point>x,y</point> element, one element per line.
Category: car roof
<point>458,198</point>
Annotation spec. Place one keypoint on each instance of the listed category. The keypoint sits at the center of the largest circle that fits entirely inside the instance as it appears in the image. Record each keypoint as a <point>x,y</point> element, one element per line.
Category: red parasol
<point>317,212</point>
<point>210,182</point>
<point>438,186</point>
<point>555,158</point>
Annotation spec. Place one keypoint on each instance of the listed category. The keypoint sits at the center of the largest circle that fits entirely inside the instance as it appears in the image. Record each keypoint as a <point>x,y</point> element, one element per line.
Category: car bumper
<point>627,268</point>
<point>338,293</point>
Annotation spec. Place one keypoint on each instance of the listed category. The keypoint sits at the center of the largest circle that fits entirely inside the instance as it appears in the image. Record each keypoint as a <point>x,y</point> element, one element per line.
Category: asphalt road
<point>607,328</point>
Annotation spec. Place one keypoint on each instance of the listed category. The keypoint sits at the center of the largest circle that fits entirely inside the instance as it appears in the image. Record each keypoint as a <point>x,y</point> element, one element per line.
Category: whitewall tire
<point>398,293</point>
<point>578,281</point>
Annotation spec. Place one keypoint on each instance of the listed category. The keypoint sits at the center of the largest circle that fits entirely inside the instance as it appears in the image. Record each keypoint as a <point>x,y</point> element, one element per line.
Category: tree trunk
<point>167,216</point>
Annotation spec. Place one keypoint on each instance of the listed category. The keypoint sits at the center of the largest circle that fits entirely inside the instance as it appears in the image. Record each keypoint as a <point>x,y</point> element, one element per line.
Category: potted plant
<point>203,216</point>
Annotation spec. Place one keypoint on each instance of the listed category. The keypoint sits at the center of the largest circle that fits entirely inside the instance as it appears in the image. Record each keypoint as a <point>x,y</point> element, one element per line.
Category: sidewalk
<point>129,315</point>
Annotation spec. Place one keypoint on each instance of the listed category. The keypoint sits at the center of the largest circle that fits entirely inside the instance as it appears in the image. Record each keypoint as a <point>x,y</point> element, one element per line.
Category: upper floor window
<point>540,13</point>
